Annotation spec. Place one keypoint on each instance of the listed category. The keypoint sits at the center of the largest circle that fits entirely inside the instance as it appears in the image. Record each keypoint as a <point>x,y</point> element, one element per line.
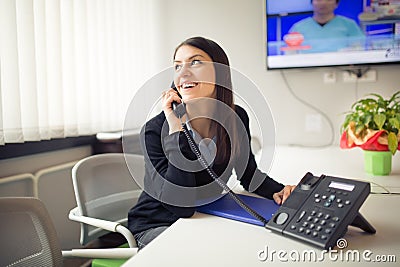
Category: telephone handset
<point>319,210</point>
<point>178,109</point>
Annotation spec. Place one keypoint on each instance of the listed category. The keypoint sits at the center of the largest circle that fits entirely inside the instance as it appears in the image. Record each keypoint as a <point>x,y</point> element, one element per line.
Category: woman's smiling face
<point>194,73</point>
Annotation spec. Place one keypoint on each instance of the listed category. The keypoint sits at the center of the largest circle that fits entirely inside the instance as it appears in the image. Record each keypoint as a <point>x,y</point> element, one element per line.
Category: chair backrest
<point>27,234</point>
<point>58,178</point>
<point>105,189</point>
<point>20,185</point>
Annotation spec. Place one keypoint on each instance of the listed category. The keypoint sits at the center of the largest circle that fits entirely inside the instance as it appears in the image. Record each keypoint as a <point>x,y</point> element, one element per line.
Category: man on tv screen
<point>327,32</point>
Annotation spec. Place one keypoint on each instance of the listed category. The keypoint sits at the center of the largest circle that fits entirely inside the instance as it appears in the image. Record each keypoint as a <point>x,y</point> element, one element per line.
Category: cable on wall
<point>323,114</point>
<point>356,90</point>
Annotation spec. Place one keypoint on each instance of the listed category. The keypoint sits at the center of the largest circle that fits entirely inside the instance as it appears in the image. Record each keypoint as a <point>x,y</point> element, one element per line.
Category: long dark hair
<point>223,85</point>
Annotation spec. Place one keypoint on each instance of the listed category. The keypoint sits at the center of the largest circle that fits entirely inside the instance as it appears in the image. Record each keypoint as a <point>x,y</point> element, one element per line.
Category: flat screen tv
<point>288,47</point>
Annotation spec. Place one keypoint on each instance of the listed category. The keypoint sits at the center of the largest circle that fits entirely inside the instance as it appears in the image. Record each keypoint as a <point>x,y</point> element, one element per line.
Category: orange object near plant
<point>377,142</point>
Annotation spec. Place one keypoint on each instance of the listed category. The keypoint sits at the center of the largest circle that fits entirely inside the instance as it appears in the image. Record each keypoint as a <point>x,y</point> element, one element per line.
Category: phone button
<point>301,216</point>
<point>281,218</point>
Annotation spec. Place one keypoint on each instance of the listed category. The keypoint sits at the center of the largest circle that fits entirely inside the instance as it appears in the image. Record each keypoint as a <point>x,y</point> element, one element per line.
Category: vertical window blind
<point>71,67</point>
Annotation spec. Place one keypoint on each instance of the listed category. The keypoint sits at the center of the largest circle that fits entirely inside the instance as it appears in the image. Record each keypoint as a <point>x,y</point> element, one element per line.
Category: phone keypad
<point>315,223</point>
<point>320,222</point>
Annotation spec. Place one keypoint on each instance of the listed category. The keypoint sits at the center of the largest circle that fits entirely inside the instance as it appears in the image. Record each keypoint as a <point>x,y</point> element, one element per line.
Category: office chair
<point>28,236</point>
<point>105,191</point>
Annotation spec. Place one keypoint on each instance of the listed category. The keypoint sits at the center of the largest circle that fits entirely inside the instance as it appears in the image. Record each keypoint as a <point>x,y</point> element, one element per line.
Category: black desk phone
<point>320,208</point>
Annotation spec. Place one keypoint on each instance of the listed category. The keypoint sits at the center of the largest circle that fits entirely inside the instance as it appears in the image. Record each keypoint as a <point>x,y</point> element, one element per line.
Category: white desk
<point>205,240</point>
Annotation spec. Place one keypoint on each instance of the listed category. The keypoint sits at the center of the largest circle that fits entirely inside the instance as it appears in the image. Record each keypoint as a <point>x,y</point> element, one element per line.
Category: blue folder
<point>227,207</point>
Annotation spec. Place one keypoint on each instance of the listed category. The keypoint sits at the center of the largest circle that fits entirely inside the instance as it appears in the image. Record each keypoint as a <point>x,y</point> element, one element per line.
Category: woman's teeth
<point>188,85</point>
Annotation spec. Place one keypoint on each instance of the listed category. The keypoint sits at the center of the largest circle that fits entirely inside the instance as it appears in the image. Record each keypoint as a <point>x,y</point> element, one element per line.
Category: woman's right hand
<point>169,96</point>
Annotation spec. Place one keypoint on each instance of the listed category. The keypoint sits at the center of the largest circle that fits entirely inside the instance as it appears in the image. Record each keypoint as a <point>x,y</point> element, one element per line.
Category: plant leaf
<point>379,119</point>
<point>367,119</point>
<point>346,122</point>
<point>395,123</point>
<point>392,142</point>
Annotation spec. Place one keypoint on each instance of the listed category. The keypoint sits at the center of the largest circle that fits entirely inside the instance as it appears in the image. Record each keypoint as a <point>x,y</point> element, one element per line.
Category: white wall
<point>238,26</point>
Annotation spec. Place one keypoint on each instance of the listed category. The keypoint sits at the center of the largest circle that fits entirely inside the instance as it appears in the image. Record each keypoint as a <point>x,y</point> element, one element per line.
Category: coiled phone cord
<point>224,186</point>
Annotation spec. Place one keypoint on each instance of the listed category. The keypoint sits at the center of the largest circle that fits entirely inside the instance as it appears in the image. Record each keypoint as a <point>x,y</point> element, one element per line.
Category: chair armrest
<point>109,253</point>
<point>127,234</point>
<point>103,224</point>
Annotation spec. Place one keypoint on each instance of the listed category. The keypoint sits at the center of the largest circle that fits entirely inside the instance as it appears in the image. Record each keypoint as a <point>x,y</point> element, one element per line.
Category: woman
<point>174,181</point>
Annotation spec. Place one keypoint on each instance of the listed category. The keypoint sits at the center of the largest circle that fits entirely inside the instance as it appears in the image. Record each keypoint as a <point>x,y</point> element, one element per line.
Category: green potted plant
<point>373,124</point>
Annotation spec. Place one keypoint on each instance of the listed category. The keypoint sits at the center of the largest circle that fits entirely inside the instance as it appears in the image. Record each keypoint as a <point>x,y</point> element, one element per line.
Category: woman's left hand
<point>281,196</point>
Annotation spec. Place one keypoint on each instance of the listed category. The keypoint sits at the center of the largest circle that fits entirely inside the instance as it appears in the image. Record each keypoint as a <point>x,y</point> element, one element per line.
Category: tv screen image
<point>363,32</point>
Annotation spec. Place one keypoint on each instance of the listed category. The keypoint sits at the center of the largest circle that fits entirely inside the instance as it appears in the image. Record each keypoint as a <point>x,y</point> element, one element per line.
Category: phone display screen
<point>342,186</point>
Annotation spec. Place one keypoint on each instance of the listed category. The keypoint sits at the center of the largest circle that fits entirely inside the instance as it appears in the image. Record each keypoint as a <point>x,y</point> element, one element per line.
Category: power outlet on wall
<point>329,77</point>
<point>350,77</point>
